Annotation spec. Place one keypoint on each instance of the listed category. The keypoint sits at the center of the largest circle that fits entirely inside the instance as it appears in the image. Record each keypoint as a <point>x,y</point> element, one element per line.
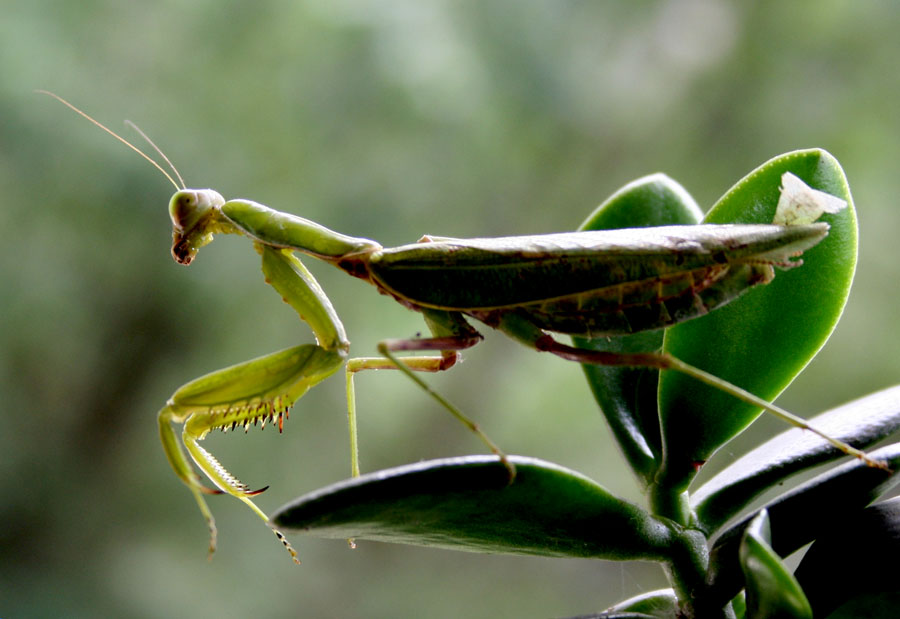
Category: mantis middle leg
<point>451,333</point>
<point>538,339</point>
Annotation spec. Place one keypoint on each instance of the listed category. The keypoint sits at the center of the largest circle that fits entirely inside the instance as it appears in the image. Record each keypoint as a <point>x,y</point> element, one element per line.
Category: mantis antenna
<point>123,140</point>
<point>158,151</point>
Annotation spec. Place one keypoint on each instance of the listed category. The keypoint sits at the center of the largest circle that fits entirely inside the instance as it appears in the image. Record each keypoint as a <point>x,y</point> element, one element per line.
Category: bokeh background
<point>387,120</point>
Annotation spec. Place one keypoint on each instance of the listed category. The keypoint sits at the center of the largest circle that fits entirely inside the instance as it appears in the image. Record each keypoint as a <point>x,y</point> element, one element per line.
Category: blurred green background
<point>387,120</point>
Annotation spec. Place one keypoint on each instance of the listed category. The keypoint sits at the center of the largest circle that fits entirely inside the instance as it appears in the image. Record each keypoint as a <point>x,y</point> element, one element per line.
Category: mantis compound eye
<point>181,209</point>
<point>189,207</point>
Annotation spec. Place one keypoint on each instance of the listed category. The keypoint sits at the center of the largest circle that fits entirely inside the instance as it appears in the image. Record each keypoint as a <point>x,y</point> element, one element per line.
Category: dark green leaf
<point>772,591</point>
<point>854,564</point>
<point>761,341</point>
<point>627,396</point>
<point>861,423</point>
<point>801,515</point>
<point>653,200</point>
<point>467,504</point>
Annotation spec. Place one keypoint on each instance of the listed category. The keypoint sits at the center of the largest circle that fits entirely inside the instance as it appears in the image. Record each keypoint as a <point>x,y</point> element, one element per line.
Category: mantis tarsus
<point>584,283</point>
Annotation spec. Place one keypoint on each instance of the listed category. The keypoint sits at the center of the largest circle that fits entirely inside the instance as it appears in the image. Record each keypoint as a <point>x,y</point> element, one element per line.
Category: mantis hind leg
<point>451,334</point>
<point>534,337</point>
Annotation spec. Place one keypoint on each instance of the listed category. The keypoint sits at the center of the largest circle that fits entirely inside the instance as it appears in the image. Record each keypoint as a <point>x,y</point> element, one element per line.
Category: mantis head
<point>195,217</point>
<point>196,213</point>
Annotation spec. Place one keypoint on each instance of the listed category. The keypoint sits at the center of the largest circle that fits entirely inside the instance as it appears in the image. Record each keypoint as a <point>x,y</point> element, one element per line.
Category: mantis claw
<point>256,492</point>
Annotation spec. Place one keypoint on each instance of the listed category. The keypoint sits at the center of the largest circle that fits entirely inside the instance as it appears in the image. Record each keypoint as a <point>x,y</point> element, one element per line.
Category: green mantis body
<point>587,284</point>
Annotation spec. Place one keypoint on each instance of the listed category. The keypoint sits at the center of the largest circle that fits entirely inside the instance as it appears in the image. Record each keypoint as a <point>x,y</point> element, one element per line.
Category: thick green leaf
<point>855,564</point>
<point>627,396</point>
<point>772,591</point>
<point>653,200</point>
<point>467,504</point>
<point>861,423</point>
<point>801,515</point>
<point>764,339</point>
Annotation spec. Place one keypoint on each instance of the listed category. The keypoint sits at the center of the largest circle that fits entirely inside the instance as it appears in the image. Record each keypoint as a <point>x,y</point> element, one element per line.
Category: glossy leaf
<point>467,504</point>
<point>660,604</point>
<point>861,423</point>
<point>801,515</point>
<point>653,200</point>
<point>855,564</point>
<point>772,591</point>
<point>764,339</point>
<point>627,396</point>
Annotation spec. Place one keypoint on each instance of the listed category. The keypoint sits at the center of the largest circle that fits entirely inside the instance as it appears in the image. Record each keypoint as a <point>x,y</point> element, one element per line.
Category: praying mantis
<point>588,284</point>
